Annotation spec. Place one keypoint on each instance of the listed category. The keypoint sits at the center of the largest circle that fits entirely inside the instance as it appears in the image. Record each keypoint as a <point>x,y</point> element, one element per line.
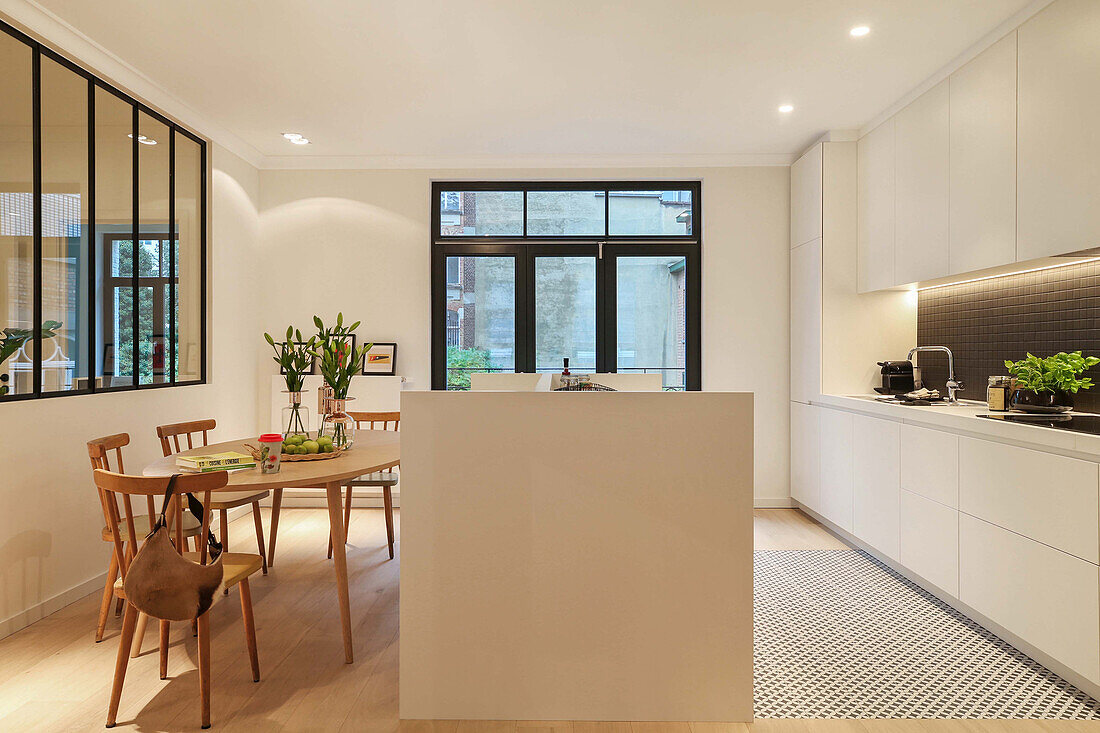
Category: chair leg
<point>118,607</point>
<point>123,658</point>
<point>165,627</point>
<point>249,628</point>
<point>387,499</point>
<point>260,535</point>
<point>223,521</point>
<point>276,506</point>
<point>108,594</point>
<point>139,634</point>
<point>204,668</point>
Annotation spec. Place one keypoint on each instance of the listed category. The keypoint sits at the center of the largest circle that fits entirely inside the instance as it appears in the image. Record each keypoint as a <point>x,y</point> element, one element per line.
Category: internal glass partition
<point>17,259</point>
<point>97,293</point>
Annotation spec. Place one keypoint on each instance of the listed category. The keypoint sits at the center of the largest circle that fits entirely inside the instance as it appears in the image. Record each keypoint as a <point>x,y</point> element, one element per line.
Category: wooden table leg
<point>276,506</point>
<point>340,563</point>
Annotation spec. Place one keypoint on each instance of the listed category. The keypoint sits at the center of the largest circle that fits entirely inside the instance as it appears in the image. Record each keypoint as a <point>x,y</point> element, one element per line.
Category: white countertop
<point>963,419</point>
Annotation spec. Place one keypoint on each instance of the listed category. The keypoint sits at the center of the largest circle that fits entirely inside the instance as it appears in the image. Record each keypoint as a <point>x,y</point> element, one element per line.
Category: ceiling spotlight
<point>296,137</point>
<point>142,139</point>
<point>786,108</point>
<point>859,31</point>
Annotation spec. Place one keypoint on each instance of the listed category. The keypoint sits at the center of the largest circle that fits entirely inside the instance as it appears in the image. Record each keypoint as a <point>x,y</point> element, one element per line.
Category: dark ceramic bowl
<point>1047,402</point>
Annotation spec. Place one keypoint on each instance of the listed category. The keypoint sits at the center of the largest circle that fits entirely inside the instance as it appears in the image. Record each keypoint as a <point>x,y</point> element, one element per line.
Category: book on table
<point>226,461</point>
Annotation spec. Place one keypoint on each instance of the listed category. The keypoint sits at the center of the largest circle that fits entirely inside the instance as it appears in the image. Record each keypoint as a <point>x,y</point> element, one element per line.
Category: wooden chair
<point>384,479</point>
<point>237,568</point>
<point>99,451</point>
<point>223,501</point>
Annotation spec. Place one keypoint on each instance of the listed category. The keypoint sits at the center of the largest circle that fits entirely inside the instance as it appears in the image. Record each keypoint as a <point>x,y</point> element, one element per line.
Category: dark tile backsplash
<point>988,321</point>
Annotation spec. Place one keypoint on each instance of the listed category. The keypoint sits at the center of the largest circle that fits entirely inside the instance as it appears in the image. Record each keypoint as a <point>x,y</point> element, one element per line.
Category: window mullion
<point>36,208</point>
<point>170,350</point>
<point>134,299</point>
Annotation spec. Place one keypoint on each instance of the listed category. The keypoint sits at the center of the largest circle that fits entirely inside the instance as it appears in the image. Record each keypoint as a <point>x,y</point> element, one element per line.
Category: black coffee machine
<point>897,377</point>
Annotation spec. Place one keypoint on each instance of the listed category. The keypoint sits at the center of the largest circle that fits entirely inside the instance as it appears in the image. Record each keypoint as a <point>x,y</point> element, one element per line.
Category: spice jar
<point>996,394</point>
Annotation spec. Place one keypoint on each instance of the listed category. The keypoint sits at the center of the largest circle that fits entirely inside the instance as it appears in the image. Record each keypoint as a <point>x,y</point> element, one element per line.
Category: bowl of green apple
<point>305,448</point>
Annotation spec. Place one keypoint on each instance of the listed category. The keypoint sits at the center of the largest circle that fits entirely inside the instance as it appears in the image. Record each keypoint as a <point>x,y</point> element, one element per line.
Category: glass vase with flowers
<point>338,361</point>
<point>295,359</point>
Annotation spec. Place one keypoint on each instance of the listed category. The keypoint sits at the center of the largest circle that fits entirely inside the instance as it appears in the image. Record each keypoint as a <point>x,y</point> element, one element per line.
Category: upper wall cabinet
<point>806,197</point>
<point>983,160</point>
<point>875,206</point>
<point>1058,175</point>
<point>921,198</point>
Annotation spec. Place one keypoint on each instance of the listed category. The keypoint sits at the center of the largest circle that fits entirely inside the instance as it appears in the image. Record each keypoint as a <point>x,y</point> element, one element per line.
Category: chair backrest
<point>114,485</point>
<point>387,420</point>
<point>170,434</point>
<point>623,381</point>
<point>509,382</point>
<point>99,452</point>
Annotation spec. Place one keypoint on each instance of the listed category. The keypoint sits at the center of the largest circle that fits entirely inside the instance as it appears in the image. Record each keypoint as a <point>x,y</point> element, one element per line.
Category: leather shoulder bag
<point>166,585</point>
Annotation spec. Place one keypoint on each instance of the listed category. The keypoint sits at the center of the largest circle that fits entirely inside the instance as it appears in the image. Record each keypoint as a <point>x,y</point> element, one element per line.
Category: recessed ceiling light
<point>859,31</point>
<point>296,137</point>
<point>142,139</point>
<point>786,108</point>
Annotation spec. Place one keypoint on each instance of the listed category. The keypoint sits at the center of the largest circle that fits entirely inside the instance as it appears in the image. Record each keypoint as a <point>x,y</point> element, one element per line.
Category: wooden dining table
<point>373,450</point>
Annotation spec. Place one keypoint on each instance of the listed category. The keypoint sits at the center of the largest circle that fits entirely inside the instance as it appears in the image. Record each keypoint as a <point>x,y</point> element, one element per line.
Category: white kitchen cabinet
<point>1044,596</point>
<point>1058,171</point>
<point>806,197</point>
<point>1052,499</point>
<point>876,485</point>
<point>806,321</point>
<point>835,502</point>
<point>805,455</point>
<point>983,160</point>
<point>921,133</point>
<point>875,207</point>
<point>930,464</point>
<point>930,541</point>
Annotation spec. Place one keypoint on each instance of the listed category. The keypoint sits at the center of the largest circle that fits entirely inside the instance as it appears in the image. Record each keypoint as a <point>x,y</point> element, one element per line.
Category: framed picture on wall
<point>108,360</point>
<point>159,354</point>
<point>381,359</point>
<point>312,361</point>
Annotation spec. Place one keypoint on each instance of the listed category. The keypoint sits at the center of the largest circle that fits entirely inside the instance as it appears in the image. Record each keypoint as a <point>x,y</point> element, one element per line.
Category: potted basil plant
<point>1048,384</point>
<point>12,340</point>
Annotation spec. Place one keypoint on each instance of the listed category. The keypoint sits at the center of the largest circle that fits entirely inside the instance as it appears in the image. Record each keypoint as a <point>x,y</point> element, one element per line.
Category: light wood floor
<point>53,677</point>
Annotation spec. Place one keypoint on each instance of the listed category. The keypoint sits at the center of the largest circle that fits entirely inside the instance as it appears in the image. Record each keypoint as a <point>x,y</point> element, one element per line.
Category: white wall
<point>359,241</point>
<point>50,547</point>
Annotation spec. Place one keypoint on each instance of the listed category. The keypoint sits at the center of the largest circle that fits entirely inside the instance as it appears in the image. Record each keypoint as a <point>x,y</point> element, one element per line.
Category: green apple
<point>311,446</point>
<point>328,447</point>
<point>296,439</point>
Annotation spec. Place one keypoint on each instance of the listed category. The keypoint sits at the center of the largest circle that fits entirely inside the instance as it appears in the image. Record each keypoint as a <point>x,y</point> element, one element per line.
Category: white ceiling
<point>439,79</point>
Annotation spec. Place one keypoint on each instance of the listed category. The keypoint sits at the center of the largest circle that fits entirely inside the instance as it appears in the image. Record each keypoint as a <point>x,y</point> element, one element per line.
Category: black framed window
<point>606,274</point>
<point>88,171</point>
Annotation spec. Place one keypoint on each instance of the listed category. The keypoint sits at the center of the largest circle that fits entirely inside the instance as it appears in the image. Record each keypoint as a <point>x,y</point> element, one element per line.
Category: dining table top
<point>372,450</point>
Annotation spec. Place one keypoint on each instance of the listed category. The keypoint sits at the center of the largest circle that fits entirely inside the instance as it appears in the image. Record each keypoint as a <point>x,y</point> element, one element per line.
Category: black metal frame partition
<point>525,249</point>
<point>38,51</point>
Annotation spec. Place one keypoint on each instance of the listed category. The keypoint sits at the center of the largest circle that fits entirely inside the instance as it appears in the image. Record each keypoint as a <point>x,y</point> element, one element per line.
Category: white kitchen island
<point>576,556</point>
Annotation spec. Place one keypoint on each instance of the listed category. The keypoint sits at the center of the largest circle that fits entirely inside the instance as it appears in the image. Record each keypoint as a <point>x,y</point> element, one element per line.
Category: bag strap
<point>196,508</point>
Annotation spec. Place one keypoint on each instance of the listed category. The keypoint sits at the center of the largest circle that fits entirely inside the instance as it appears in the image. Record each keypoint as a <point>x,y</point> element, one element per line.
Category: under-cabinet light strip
<point>1010,274</point>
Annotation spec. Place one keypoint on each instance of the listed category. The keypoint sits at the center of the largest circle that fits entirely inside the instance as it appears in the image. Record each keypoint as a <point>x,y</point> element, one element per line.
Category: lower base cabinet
<point>1043,595</point>
<point>876,483</point>
<point>805,455</point>
<point>930,541</point>
<point>835,439</point>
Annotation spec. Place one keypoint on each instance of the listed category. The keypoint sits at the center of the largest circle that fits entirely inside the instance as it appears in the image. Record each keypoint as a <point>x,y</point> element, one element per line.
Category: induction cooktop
<point>1074,423</point>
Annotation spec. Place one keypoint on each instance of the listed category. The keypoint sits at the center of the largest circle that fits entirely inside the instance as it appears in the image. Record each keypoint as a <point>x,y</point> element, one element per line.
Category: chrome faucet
<point>954,386</point>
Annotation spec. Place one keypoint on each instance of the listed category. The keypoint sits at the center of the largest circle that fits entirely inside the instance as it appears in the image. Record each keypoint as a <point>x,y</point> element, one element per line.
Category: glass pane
<point>114,210</point>
<point>153,197</point>
<point>649,212</point>
<point>65,257</point>
<point>565,313</point>
<point>564,213</point>
<point>16,217</point>
<point>187,351</point>
<point>481,318</point>
<point>651,317</point>
<point>481,213</point>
